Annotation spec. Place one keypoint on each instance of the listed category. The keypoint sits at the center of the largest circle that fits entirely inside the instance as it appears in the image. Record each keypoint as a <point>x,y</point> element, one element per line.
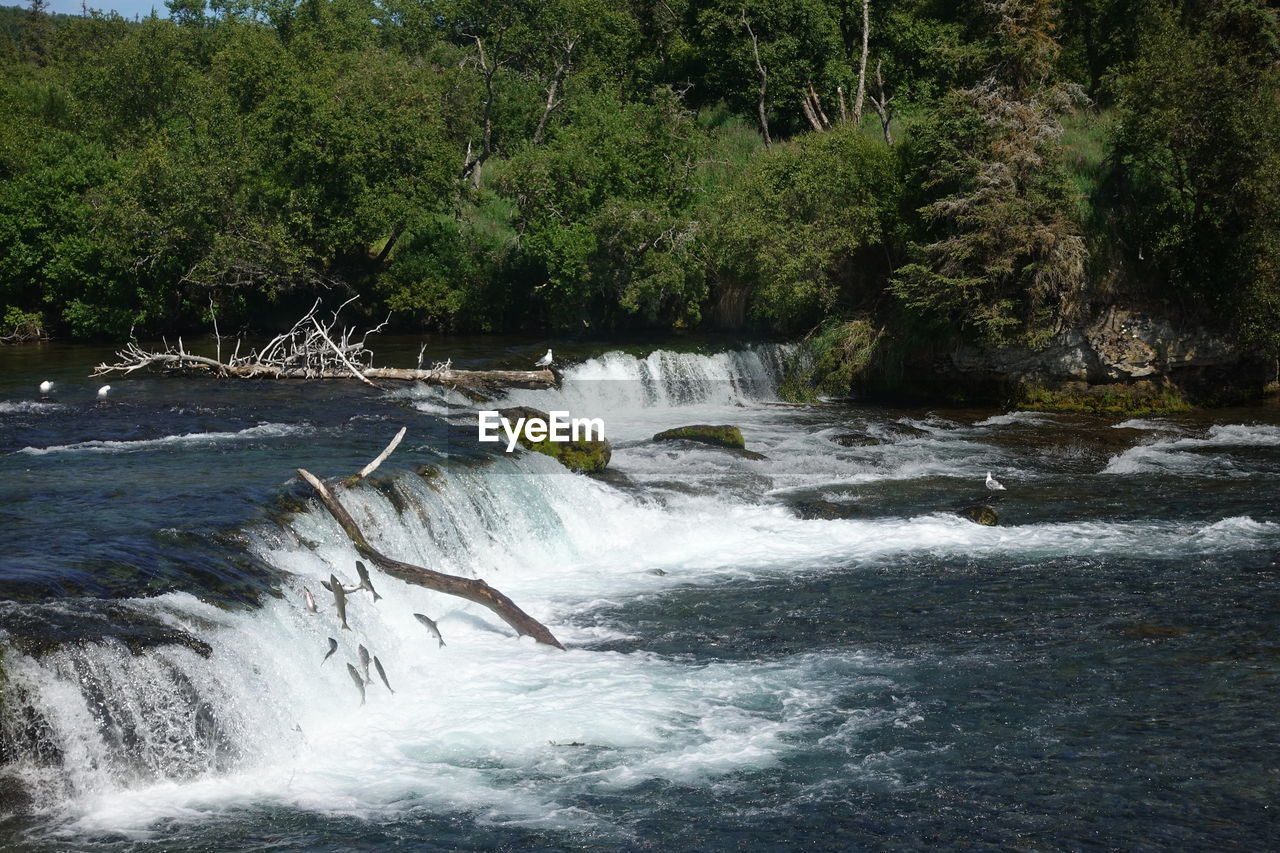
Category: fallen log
<point>472,589</point>
<point>137,359</point>
<point>313,350</point>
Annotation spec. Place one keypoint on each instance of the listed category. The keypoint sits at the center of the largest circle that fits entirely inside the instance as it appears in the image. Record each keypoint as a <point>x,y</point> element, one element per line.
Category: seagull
<point>545,361</point>
<point>993,484</point>
<point>46,386</point>
<point>102,392</point>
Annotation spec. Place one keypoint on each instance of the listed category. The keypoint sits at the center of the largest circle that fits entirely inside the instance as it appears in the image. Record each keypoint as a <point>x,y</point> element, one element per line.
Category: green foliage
<point>1197,158</point>
<point>19,325</point>
<point>605,213</point>
<point>833,359</point>
<point>577,164</point>
<point>803,225</point>
<point>1000,252</point>
<point>158,165</point>
<point>447,275</point>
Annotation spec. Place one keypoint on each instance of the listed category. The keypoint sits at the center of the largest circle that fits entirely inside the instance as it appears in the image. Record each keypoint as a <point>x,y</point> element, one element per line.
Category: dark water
<point>811,650</point>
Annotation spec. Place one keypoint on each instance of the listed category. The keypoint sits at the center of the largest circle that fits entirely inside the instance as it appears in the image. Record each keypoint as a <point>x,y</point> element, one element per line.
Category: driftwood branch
<point>379,459</point>
<point>355,371</point>
<point>471,589</point>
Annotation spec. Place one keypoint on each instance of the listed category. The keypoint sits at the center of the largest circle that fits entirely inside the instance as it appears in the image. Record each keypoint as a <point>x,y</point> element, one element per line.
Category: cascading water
<point>784,635</point>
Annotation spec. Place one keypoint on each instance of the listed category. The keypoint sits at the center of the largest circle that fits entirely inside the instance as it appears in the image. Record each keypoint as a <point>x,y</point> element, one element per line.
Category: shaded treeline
<point>891,174</point>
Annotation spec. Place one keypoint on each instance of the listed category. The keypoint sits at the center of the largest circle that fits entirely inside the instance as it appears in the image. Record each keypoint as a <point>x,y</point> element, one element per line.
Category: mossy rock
<point>722,435</point>
<point>1134,399</point>
<point>584,457</point>
<point>980,514</point>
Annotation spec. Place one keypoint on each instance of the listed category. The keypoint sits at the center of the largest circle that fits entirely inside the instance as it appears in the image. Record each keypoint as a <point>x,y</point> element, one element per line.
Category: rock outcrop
<point>1121,361</point>
<point>980,514</point>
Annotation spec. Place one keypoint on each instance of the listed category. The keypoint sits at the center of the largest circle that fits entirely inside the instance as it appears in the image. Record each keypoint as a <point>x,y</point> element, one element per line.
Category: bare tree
<point>488,63</point>
<point>562,68</point>
<point>882,104</point>
<point>764,81</point>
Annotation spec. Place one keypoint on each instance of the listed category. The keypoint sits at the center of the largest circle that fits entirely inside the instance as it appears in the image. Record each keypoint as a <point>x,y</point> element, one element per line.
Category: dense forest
<point>870,173</point>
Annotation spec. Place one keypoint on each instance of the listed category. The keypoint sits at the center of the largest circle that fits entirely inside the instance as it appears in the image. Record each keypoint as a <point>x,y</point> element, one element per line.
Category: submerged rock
<point>14,798</point>
<point>856,439</point>
<point>980,514</point>
<point>583,456</point>
<point>43,629</point>
<point>1147,631</point>
<point>723,435</point>
<point>824,510</point>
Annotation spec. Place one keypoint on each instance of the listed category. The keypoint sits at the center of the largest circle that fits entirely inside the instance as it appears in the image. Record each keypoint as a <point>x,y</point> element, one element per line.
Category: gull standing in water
<point>545,361</point>
<point>102,392</point>
<point>993,484</point>
<point>46,386</point>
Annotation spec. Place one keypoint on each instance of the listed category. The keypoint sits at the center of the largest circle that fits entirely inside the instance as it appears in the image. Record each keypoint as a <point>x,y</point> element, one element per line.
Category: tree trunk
<point>862,63</point>
<point>880,102</point>
<point>488,70</point>
<point>391,242</point>
<point>471,589</point>
<point>761,102</point>
<point>810,114</point>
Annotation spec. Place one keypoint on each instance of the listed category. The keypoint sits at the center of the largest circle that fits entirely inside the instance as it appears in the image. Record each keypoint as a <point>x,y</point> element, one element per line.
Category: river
<point>807,650</point>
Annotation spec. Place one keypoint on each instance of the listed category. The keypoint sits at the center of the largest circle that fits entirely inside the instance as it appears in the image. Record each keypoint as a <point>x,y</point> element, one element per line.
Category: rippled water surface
<point>805,649</point>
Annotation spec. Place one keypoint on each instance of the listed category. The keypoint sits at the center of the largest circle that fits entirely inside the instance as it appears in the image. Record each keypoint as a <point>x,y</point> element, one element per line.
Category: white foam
<point>13,407</point>
<point>1153,424</point>
<point>1179,456</point>
<point>1010,418</point>
<point>464,718</point>
<point>618,383</point>
<point>267,430</point>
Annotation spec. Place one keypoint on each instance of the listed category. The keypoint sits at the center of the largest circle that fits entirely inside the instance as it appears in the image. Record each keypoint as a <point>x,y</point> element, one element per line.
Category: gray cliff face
<point>1117,347</point>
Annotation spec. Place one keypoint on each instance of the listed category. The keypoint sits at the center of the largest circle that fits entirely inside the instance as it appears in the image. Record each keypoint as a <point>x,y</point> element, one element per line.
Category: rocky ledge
<point>1123,361</point>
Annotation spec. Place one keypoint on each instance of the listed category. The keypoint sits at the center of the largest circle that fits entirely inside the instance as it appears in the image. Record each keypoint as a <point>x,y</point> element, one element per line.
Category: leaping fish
<point>346,589</point>
<point>340,599</point>
<point>364,663</point>
<point>431,626</point>
<point>311,602</point>
<point>382,673</point>
<point>364,580</point>
<point>333,647</point>
<point>355,676</point>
